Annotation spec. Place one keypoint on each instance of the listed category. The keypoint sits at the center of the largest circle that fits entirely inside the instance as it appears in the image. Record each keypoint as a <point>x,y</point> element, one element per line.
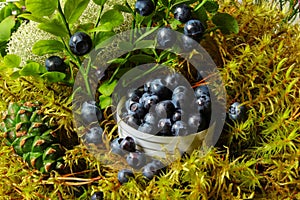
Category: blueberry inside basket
<point>150,116</point>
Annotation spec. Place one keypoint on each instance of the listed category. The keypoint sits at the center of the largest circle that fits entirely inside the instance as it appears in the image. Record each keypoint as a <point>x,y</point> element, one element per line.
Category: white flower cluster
<point>22,41</point>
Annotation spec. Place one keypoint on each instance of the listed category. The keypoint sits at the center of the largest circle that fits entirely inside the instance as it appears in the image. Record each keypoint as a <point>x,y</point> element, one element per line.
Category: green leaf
<point>165,3</point>
<point>41,7</point>
<point>226,23</point>
<point>112,16</point>
<point>12,61</point>
<point>32,69</point>
<point>105,101</point>
<point>201,14</point>
<point>211,6</point>
<point>55,27</point>
<point>107,87</point>
<point>5,28</point>
<point>141,58</point>
<point>100,2</point>
<point>74,8</point>
<point>54,76</point>
<point>43,47</point>
<point>122,8</point>
<point>106,27</point>
<point>102,39</point>
<point>33,18</point>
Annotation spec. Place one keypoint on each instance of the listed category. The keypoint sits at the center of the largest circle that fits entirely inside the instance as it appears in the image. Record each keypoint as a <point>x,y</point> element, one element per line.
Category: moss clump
<point>258,158</point>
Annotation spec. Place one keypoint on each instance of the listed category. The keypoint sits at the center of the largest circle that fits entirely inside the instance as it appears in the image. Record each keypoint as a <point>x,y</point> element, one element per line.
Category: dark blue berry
<point>237,112</point>
<point>136,159</point>
<point>90,112</point>
<point>124,175</point>
<point>55,63</point>
<point>147,128</point>
<point>116,147</point>
<point>194,29</point>
<point>135,94</point>
<point>144,7</point>
<point>150,101</point>
<point>152,169</point>
<point>128,144</point>
<point>197,122</point>
<point>137,110</point>
<point>179,128</point>
<point>204,104</point>
<point>177,115</point>
<point>150,118</point>
<point>80,43</point>
<point>166,37</point>
<point>165,109</point>
<point>161,91</point>
<point>164,125</point>
<point>131,120</point>
<point>201,90</point>
<point>97,196</point>
<point>94,135</point>
<point>182,13</point>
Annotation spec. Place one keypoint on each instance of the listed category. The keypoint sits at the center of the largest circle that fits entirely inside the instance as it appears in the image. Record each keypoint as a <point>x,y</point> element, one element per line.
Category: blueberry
<point>237,112</point>
<point>97,196</point>
<point>90,112</point>
<point>131,120</point>
<point>165,109</point>
<point>182,13</point>
<point>136,159</point>
<point>128,144</point>
<point>150,118</point>
<point>166,37</point>
<point>194,29</point>
<point>150,101</point>
<point>177,115</point>
<point>124,175</point>
<point>55,63</point>
<point>204,104</point>
<point>80,43</point>
<point>144,7</point>
<point>116,147</point>
<point>164,125</point>
<point>135,94</point>
<point>137,110</point>
<point>161,91</point>
<point>152,169</point>
<point>197,122</point>
<point>179,128</point>
<point>201,90</point>
<point>147,128</point>
<point>94,135</point>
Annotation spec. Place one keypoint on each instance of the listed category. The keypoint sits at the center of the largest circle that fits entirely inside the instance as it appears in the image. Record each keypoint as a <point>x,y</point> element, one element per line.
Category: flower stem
<point>64,18</point>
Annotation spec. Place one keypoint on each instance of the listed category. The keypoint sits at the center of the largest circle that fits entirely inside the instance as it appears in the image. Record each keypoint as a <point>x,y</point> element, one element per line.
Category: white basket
<point>161,146</point>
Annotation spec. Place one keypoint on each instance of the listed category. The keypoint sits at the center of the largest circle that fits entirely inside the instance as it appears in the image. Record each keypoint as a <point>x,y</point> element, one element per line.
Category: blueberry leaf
<point>201,15</point>
<point>74,8</point>
<point>226,23</point>
<point>12,61</point>
<point>105,101</point>
<point>102,39</point>
<point>211,6</point>
<point>107,87</point>
<point>43,47</point>
<point>54,76</point>
<point>5,28</point>
<point>33,18</point>
<point>112,16</point>
<point>41,7</point>
<point>100,2</point>
<point>55,27</point>
<point>32,69</point>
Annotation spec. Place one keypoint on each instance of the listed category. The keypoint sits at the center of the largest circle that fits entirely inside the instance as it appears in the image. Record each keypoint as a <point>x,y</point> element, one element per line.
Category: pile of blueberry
<point>161,109</point>
<point>135,159</point>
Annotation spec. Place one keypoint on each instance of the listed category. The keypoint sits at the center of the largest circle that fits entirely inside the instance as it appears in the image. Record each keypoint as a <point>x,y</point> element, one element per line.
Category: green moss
<point>258,158</point>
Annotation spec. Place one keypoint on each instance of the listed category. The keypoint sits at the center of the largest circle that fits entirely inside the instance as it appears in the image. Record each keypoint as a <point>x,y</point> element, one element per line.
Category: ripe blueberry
<point>55,63</point>
<point>201,90</point>
<point>97,196</point>
<point>147,128</point>
<point>179,128</point>
<point>94,135</point>
<point>150,118</point>
<point>152,168</point>
<point>237,112</point>
<point>166,37</point>
<point>150,101</point>
<point>136,159</point>
<point>124,175</point>
<point>204,104</point>
<point>182,13</point>
<point>165,109</point>
<point>177,115</point>
<point>116,147</point>
<point>80,43</point>
<point>90,112</point>
<point>128,144</point>
<point>131,120</point>
<point>144,7</point>
<point>194,29</point>
<point>164,126</point>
